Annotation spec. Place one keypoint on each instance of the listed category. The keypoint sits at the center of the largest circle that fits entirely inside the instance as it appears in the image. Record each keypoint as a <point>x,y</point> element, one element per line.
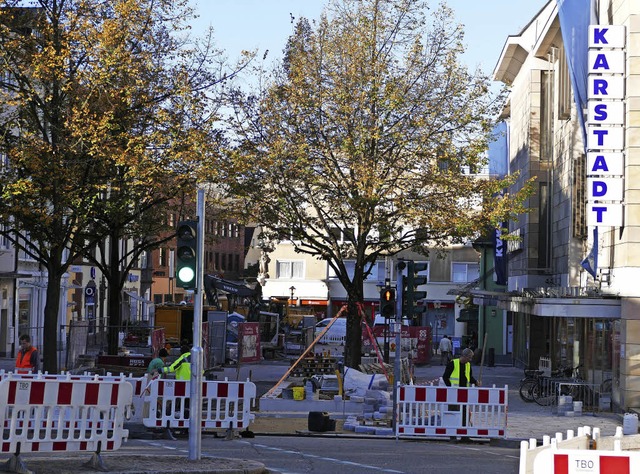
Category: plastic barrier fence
<point>578,461</point>
<point>452,411</point>
<point>62,416</point>
<point>225,405</point>
<point>579,454</point>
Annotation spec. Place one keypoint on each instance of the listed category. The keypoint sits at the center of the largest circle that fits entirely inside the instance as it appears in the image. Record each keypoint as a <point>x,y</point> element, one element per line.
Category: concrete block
<point>366,429</point>
<point>384,431</point>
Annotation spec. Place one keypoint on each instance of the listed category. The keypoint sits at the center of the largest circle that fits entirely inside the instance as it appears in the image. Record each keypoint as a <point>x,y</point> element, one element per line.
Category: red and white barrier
<point>225,404</point>
<point>62,416</point>
<point>452,411</point>
<point>580,461</point>
<point>578,454</point>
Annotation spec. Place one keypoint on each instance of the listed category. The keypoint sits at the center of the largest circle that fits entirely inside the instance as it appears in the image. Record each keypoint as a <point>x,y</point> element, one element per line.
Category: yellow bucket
<point>298,393</point>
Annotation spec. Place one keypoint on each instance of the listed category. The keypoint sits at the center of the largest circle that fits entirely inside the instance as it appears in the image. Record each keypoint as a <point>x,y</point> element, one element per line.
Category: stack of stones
<point>376,416</point>
<point>565,405</point>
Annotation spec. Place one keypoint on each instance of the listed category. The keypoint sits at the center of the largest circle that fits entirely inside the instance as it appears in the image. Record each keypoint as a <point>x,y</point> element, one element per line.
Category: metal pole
<point>398,327</point>
<point>195,392</point>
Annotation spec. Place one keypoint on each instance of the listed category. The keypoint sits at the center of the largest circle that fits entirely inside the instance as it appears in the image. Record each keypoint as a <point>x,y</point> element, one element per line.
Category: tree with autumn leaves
<point>372,126</point>
<point>105,116</point>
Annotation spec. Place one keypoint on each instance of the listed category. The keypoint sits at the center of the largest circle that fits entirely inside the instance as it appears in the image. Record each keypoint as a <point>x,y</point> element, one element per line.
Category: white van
<point>379,320</point>
<point>336,334</point>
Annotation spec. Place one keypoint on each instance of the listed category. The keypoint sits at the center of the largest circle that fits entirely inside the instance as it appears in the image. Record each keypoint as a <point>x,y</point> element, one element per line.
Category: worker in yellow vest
<point>182,366</point>
<point>458,371</point>
<point>458,374</point>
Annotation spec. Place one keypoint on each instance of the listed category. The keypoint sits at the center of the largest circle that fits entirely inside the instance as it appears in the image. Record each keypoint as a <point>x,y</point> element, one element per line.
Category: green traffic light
<point>187,254</point>
<point>186,274</point>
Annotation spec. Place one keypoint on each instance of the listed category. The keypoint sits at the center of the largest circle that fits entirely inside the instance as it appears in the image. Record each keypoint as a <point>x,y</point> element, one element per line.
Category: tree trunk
<point>353,345</point>
<point>51,330</point>
<point>114,306</point>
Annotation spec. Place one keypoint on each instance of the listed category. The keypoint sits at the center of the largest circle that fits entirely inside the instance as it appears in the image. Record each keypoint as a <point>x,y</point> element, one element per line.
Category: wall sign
<point>605,125</point>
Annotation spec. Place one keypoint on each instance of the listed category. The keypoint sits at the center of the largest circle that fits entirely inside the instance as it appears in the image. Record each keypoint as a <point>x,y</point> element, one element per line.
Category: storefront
<point>571,331</point>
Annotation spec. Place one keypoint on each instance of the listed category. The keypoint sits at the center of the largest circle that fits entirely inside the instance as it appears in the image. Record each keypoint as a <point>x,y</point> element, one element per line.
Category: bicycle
<point>546,392</point>
<point>530,380</point>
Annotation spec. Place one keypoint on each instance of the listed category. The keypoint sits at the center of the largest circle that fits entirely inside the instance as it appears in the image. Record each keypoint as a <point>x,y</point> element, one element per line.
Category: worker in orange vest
<point>27,359</point>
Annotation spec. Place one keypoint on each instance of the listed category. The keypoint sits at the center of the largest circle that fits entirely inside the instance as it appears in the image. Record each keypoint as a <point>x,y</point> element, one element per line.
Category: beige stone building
<point>585,173</point>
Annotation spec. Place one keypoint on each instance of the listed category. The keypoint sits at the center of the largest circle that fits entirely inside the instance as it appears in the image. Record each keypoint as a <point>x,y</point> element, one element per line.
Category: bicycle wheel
<point>526,388</point>
<point>606,386</point>
<point>543,395</point>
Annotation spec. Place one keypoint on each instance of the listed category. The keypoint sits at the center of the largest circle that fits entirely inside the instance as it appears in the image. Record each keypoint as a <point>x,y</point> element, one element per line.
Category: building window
<point>289,269</point>
<point>4,163</point>
<point>157,299</point>
<point>544,226</point>
<point>162,257</point>
<point>546,115</point>
<point>425,272</point>
<point>22,255</point>
<point>377,273</point>
<point>4,240</point>
<point>564,87</point>
<point>464,272</point>
<point>579,199</point>
<point>343,235</point>
<point>144,259</point>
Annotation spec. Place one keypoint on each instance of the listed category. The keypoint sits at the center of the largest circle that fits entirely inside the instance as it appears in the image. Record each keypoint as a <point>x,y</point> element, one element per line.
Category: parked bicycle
<point>530,380</point>
<point>563,382</point>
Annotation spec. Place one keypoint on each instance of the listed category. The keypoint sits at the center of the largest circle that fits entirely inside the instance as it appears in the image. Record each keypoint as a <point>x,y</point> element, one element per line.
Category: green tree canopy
<point>371,125</point>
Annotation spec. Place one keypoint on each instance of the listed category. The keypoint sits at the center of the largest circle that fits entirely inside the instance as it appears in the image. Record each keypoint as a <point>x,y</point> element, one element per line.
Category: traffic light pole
<point>401,265</point>
<point>195,392</point>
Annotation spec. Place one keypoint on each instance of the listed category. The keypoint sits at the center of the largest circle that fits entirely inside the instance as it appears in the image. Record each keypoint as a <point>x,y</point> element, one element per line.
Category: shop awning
<point>578,307</point>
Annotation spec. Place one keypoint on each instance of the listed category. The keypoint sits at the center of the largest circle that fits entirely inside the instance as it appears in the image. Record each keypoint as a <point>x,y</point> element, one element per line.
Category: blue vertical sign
<point>605,129</point>
<point>90,293</point>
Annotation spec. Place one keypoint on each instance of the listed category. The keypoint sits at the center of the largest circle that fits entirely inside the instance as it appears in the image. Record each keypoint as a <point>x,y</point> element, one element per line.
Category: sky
<point>266,24</point>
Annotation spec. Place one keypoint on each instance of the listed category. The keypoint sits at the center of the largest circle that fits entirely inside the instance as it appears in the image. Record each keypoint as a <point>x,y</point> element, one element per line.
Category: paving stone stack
<point>377,411</point>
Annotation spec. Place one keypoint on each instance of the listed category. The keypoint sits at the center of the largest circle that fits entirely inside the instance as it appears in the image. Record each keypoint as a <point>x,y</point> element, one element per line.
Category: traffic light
<point>186,254</point>
<point>387,302</point>
<point>412,280</point>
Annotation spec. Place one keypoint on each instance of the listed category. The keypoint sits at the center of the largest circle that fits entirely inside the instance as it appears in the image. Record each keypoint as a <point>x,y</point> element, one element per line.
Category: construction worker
<point>27,358</point>
<point>458,374</point>
<point>182,366</point>
<point>458,371</point>
<point>157,364</point>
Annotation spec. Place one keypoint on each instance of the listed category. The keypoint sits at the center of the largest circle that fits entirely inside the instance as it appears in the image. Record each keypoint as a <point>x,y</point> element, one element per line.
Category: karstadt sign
<point>605,127</point>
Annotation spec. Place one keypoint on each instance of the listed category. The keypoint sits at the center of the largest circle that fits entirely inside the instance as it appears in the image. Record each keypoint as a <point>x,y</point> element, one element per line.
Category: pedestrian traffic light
<point>412,296</point>
<point>387,302</point>
<point>186,254</point>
